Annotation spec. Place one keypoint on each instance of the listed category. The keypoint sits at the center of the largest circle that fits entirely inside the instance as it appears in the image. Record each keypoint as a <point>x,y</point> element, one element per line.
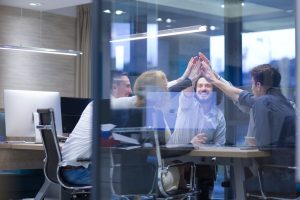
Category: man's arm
<point>228,89</point>
<point>187,80</point>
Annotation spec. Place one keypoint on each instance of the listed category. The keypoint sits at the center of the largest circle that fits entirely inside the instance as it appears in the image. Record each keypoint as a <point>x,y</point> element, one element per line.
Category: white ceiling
<point>46,4</point>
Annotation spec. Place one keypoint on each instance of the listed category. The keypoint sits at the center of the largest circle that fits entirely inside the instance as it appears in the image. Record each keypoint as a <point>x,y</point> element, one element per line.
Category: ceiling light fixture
<point>119,12</point>
<point>159,19</point>
<point>223,6</point>
<point>212,28</point>
<point>163,33</point>
<point>168,20</point>
<point>41,50</point>
<point>35,4</point>
<point>107,11</point>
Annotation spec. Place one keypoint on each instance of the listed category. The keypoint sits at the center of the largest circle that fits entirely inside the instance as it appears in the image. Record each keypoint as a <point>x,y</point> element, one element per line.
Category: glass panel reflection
<point>165,37</point>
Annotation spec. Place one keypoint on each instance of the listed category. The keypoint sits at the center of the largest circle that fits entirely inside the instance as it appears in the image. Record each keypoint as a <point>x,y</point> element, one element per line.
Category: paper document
<point>130,147</point>
<point>123,138</point>
<point>107,127</point>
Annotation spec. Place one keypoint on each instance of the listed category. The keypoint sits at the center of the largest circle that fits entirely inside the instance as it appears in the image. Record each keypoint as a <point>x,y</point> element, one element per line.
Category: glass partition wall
<point>133,37</point>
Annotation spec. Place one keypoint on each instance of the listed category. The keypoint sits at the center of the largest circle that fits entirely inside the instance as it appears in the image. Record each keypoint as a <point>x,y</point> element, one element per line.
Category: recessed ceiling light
<point>35,4</point>
<point>222,5</point>
<point>212,28</point>
<point>159,19</point>
<point>107,11</point>
<point>243,4</point>
<point>168,20</point>
<point>119,12</point>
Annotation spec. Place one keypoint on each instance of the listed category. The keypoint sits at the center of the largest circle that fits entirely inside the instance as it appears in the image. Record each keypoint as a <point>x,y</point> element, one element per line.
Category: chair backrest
<point>51,144</point>
<point>139,171</point>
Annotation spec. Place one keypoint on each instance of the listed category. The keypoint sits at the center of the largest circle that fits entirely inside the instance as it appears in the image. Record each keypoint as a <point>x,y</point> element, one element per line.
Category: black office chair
<point>279,167</point>
<point>52,168</point>
<point>136,165</point>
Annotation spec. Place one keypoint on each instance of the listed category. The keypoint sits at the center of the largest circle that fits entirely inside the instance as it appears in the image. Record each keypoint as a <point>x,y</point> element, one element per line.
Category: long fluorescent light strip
<point>163,33</point>
<point>41,50</point>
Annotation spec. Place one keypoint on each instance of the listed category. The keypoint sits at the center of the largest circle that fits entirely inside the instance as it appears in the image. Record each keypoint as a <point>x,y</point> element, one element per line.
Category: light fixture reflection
<point>163,33</point>
<point>41,50</point>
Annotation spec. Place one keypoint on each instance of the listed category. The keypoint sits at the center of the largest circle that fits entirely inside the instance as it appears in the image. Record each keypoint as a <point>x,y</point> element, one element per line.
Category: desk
<point>24,156</point>
<point>30,156</point>
<point>21,156</point>
<point>234,156</point>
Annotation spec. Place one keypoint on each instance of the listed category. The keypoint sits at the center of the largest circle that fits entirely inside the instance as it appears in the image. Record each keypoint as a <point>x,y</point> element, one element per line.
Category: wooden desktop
<point>30,156</point>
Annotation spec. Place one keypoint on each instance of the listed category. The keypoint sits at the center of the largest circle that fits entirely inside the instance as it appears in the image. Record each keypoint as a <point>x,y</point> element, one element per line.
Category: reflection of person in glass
<point>272,123</point>
<point>199,121</point>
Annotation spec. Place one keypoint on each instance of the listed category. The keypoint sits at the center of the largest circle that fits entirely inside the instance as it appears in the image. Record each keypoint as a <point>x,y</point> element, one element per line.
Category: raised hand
<point>189,68</point>
<point>203,58</point>
<point>196,71</point>
<point>206,69</point>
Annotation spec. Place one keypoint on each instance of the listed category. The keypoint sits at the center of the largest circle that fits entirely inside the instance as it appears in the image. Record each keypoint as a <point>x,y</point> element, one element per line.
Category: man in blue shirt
<point>272,119</point>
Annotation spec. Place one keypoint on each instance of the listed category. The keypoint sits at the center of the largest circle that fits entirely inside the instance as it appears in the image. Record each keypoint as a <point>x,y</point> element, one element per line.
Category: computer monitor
<point>19,106</point>
<point>71,110</point>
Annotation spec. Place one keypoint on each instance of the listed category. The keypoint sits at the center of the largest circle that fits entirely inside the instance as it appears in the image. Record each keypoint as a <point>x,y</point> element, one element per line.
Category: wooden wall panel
<point>36,71</point>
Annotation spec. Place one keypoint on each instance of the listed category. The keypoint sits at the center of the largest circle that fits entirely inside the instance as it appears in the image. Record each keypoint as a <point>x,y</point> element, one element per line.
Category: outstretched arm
<point>190,75</point>
<point>242,108</point>
<point>228,89</point>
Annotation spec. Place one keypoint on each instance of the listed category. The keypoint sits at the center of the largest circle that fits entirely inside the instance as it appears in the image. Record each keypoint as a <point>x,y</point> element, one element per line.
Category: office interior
<point>235,35</point>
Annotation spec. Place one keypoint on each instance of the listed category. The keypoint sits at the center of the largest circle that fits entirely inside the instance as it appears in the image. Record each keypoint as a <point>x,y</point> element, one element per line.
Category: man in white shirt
<point>121,86</point>
<point>78,146</point>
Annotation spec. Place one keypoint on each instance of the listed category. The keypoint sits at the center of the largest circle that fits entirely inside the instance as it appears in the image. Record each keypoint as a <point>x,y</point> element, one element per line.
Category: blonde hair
<point>149,81</point>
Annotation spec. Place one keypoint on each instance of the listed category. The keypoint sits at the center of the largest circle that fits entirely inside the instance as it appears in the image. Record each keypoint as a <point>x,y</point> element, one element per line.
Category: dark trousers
<point>205,176</point>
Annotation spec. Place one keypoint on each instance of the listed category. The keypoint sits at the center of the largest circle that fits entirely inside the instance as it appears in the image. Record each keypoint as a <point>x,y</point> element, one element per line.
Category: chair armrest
<point>179,164</point>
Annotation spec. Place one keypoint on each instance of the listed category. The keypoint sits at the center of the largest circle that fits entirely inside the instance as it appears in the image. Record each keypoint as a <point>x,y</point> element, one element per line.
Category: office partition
<point>141,35</point>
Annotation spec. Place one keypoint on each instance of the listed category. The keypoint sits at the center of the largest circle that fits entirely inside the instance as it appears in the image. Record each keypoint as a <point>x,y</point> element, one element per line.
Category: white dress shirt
<point>79,143</point>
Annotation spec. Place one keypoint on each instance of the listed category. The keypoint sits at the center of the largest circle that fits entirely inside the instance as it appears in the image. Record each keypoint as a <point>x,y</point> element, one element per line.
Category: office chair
<point>189,189</point>
<point>154,170</point>
<point>269,175</point>
<point>280,166</point>
<point>52,167</point>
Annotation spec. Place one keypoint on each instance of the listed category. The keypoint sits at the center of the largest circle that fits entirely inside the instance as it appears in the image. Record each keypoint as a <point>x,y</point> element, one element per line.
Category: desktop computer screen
<point>19,106</point>
<point>71,110</point>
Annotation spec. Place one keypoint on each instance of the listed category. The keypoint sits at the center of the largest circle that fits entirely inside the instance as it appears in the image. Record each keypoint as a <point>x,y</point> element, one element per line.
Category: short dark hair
<point>266,75</point>
<point>116,75</point>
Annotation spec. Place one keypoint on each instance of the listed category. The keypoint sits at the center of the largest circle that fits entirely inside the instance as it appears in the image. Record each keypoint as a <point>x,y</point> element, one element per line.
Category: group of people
<point>199,120</point>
